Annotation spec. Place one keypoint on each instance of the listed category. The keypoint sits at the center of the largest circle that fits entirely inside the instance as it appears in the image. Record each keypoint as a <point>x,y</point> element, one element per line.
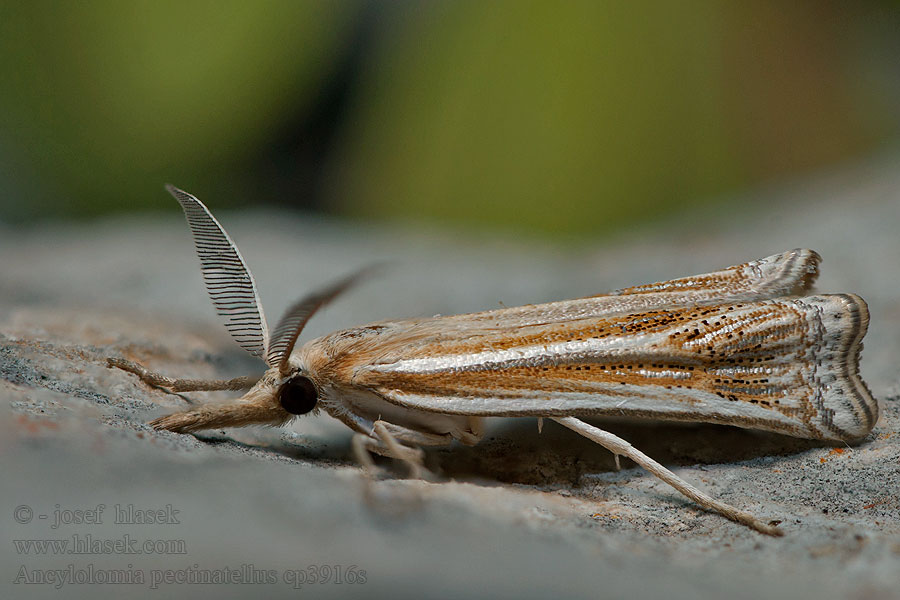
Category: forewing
<point>785,365</point>
<point>790,273</point>
<point>228,280</point>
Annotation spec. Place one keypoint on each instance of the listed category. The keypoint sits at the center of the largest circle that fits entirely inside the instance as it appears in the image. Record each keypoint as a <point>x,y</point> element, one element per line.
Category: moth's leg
<point>618,446</point>
<point>540,423</point>
<point>386,500</point>
<point>182,385</point>
<point>363,448</point>
<point>416,438</point>
<point>391,441</point>
<point>413,457</point>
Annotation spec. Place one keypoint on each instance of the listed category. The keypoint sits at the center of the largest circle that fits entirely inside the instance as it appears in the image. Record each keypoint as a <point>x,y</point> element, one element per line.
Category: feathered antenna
<point>228,280</point>
<point>285,334</point>
<point>233,290</point>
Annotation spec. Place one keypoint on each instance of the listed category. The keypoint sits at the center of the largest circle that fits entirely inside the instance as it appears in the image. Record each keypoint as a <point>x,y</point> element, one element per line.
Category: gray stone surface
<point>521,515</point>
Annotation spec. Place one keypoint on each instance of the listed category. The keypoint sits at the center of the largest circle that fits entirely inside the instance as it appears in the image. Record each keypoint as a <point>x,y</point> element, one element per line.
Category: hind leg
<point>618,446</point>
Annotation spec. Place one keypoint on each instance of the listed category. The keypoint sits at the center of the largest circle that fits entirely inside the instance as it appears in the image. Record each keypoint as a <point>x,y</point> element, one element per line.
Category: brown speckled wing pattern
<point>740,346</point>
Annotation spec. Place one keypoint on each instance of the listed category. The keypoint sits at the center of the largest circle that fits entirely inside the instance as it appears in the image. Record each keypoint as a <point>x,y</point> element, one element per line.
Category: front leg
<point>181,385</point>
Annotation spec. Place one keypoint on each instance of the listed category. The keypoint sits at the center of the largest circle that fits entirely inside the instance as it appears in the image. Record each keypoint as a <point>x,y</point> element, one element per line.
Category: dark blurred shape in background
<point>568,118</point>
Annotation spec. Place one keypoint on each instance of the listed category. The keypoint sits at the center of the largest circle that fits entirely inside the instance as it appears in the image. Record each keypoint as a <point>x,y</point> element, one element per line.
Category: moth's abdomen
<point>786,365</point>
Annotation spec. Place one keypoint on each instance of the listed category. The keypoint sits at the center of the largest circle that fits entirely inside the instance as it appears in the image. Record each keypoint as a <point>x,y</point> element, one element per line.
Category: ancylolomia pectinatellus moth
<point>742,346</point>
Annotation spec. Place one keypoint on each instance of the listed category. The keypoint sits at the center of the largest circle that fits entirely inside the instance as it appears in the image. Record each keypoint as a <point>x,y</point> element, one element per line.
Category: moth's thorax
<point>332,362</point>
<point>335,357</point>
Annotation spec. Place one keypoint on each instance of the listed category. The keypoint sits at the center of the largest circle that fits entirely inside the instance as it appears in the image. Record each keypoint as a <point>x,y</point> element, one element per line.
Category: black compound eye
<point>298,396</point>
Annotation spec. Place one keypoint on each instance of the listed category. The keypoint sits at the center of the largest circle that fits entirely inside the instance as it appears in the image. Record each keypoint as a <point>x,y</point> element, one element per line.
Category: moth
<point>743,346</point>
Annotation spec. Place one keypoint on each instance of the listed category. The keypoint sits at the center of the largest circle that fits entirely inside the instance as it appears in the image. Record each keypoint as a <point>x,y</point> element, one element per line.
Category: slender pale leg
<point>384,443</point>
<point>618,446</point>
<point>389,440</point>
<point>181,385</point>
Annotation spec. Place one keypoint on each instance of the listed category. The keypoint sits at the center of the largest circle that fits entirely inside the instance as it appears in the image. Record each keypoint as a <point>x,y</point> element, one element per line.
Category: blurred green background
<point>566,118</point>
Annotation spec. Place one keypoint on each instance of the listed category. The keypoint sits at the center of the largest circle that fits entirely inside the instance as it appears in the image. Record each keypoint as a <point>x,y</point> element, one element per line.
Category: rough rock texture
<point>521,515</point>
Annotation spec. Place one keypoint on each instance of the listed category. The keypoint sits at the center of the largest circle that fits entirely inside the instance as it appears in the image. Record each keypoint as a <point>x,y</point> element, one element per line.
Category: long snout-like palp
<point>255,408</point>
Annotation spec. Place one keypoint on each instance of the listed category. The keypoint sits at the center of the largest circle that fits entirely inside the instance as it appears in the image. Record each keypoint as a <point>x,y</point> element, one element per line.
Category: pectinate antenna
<point>228,280</point>
<point>285,334</point>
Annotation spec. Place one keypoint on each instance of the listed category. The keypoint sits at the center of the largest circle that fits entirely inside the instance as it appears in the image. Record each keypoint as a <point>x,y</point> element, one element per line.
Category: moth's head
<point>285,390</point>
<point>274,400</point>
